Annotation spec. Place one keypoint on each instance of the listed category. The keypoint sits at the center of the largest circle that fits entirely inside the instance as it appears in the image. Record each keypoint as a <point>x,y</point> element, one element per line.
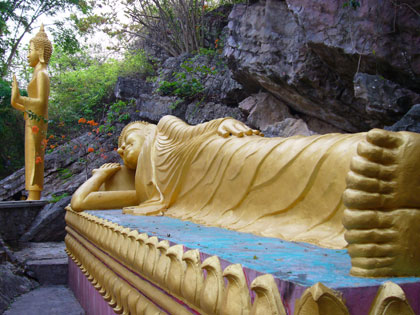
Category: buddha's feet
<point>34,195</point>
<point>383,205</point>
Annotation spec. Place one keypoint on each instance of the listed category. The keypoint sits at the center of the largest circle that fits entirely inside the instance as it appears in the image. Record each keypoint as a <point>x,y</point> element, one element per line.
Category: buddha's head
<point>131,141</point>
<point>40,48</point>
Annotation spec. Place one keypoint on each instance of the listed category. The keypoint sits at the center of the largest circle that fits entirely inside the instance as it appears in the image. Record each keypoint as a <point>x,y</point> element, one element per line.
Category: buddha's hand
<point>107,169</point>
<point>15,92</point>
<point>235,128</point>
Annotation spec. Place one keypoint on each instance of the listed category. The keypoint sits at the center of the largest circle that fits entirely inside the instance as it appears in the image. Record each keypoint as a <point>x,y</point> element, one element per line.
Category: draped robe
<point>34,171</point>
<point>289,188</point>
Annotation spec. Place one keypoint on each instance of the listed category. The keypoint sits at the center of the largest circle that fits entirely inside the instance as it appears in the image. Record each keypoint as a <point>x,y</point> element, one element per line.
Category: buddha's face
<point>130,148</point>
<point>33,57</point>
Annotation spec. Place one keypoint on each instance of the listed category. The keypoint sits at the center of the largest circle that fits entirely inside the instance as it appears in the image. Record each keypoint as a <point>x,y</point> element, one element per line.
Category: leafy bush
<point>175,26</point>
<point>81,92</point>
<point>63,61</point>
<point>64,173</point>
<point>183,86</point>
<point>116,112</point>
<point>77,93</point>
<point>354,4</point>
<point>56,198</point>
<point>189,83</point>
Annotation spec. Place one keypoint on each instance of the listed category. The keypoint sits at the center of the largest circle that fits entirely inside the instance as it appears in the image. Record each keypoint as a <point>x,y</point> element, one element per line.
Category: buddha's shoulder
<point>168,119</point>
<point>41,77</point>
<point>167,122</point>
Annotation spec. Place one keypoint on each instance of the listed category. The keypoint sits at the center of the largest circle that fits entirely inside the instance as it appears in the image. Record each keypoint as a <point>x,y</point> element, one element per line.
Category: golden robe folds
<point>290,188</point>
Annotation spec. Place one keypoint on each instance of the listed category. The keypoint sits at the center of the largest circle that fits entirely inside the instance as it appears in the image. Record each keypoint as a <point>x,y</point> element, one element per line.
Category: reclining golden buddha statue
<point>335,190</point>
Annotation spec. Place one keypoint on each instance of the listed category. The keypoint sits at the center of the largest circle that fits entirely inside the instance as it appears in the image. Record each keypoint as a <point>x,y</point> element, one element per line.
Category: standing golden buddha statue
<point>35,108</point>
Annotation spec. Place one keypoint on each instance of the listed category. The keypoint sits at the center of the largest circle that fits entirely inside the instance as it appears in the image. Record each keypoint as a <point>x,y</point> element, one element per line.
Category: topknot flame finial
<point>41,41</point>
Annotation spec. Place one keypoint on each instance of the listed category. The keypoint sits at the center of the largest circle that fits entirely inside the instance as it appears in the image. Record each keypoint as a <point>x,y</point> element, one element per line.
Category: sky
<point>100,40</point>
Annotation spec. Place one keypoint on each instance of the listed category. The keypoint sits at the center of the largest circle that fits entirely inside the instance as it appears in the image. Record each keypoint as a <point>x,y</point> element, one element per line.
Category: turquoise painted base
<point>295,266</point>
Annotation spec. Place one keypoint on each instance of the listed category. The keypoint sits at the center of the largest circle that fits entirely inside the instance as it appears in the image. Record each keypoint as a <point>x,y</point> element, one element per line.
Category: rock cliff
<point>311,54</point>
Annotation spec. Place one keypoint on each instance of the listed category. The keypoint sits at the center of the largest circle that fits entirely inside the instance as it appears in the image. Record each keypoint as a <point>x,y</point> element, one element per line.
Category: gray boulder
<point>198,113</point>
<point>287,128</point>
<point>152,107</point>
<point>383,98</point>
<point>128,88</point>
<point>49,225</point>
<point>410,121</point>
<point>12,284</point>
<point>309,59</point>
<point>211,71</point>
<point>263,110</point>
<point>378,37</point>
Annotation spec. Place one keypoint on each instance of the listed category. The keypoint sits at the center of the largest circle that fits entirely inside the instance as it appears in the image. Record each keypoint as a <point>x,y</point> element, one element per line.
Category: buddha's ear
<point>40,52</point>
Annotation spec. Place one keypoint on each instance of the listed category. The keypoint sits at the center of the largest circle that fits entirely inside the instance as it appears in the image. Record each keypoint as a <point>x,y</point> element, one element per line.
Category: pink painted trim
<point>359,301</point>
<point>88,297</point>
<point>137,274</point>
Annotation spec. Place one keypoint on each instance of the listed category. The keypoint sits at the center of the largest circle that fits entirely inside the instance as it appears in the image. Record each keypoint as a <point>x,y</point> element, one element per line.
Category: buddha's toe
<point>358,199</point>
<point>373,272</point>
<point>373,235</point>
<point>369,184</point>
<point>377,154</point>
<point>384,138</point>
<point>373,259</point>
<point>369,263</point>
<point>373,250</point>
<point>362,166</point>
<point>363,219</point>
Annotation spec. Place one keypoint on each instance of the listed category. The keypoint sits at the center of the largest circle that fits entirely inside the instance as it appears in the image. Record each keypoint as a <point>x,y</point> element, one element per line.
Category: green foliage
<point>65,173</point>
<point>200,70</point>
<point>56,198</point>
<point>206,52</point>
<point>81,92</point>
<point>88,23</point>
<point>175,26</point>
<point>135,61</point>
<point>189,83</point>
<point>116,112</point>
<point>11,133</point>
<point>65,38</point>
<point>182,87</point>
<point>63,61</point>
<point>33,116</point>
<point>354,4</point>
<point>225,2</point>
<point>78,93</point>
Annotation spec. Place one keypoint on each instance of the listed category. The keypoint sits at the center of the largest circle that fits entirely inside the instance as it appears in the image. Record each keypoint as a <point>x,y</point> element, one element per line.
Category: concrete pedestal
<point>89,298</point>
<point>17,216</point>
<point>126,248</point>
